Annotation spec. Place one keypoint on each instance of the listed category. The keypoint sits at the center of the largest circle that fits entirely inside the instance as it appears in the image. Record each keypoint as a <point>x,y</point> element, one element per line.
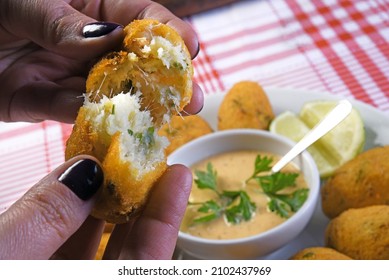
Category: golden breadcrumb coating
<point>363,181</point>
<point>245,105</point>
<point>130,94</point>
<point>180,130</point>
<point>319,253</point>
<point>361,233</point>
<point>155,61</point>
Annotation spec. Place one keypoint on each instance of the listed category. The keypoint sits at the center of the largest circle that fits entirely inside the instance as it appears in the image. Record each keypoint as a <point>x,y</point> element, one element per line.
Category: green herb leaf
<point>229,196</point>
<point>282,204</point>
<point>295,200</point>
<point>209,206</point>
<point>207,179</point>
<point>177,65</point>
<point>272,183</point>
<point>278,206</point>
<point>262,164</point>
<point>277,181</point>
<point>148,137</point>
<point>234,213</point>
<point>241,212</point>
<point>145,138</point>
<point>206,218</point>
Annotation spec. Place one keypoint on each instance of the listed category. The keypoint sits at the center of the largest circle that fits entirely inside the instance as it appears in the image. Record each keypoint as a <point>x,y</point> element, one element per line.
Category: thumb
<point>51,211</point>
<point>58,27</point>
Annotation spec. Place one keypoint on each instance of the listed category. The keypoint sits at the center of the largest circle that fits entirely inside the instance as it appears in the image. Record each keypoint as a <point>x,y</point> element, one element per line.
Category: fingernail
<point>200,109</point>
<point>84,178</point>
<point>98,29</point>
<point>198,50</point>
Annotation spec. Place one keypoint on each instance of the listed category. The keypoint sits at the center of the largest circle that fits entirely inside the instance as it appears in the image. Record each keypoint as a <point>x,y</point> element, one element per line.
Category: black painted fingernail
<point>98,29</point>
<point>84,178</point>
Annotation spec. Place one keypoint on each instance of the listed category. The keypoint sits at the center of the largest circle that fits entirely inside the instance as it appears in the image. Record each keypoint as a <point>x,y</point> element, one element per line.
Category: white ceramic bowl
<point>264,243</point>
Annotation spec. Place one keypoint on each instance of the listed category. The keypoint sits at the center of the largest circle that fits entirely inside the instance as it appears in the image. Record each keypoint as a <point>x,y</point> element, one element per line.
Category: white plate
<point>377,134</point>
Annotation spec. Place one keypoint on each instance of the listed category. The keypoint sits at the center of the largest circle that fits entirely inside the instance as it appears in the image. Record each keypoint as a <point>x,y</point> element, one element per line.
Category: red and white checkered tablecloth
<point>335,46</point>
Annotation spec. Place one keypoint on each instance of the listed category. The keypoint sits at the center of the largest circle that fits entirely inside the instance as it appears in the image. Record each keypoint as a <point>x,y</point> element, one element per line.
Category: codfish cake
<point>154,60</point>
<point>361,182</point>
<point>245,105</point>
<point>131,93</point>
<point>181,130</point>
<point>361,233</point>
<point>319,253</point>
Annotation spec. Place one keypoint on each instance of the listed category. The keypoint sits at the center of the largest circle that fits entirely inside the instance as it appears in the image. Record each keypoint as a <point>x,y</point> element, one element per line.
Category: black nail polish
<point>84,178</point>
<point>98,29</point>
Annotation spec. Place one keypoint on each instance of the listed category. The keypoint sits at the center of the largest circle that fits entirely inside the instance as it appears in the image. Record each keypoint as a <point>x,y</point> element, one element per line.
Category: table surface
<point>334,46</point>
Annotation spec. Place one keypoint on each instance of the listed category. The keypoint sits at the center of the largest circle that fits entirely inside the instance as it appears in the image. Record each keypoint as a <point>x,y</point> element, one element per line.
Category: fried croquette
<point>181,130</point>
<point>361,233</point>
<point>245,105</point>
<point>361,182</point>
<point>130,95</point>
<point>319,253</point>
<point>155,61</point>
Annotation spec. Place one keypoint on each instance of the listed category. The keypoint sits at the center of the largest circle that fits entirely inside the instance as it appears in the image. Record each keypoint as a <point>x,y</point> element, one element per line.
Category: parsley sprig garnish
<point>272,183</point>
<point>234,205</point>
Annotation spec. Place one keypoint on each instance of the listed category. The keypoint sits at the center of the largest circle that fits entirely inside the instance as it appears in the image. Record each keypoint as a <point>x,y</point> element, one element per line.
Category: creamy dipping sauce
<point>233,169</point>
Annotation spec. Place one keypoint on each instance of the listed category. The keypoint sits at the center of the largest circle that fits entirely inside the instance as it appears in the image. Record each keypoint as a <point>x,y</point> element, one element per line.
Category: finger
<point>117,241</point>
<point>51,211</point>
<point>44,101</point>
<point>123,11</point>
<point>197,101</point>
<point>154,233</point>
<point>83,244</point>
<point>58,27</point>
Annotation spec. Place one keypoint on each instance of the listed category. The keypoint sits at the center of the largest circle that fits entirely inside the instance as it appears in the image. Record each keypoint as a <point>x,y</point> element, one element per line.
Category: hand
<point>44,59</point>
<point>44,56</point>
<point>51,219</point>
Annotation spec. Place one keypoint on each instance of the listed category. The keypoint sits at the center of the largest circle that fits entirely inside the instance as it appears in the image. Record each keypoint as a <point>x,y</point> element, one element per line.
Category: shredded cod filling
<point>170,56</point>
<point>140,143</point>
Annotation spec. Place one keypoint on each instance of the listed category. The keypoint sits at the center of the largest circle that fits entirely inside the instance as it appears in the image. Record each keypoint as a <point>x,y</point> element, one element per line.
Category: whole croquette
<point>245,105</point>
<point>361,182</point>
<point>319,253</point>
<point>361,233</point>
<point>181,130</point>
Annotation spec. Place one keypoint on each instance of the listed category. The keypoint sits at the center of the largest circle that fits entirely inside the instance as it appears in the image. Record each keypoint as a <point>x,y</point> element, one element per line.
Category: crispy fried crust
<point>181,130</point>
<point>361,233</point>
<point>245,105</point>
<point>117,72</point>
<point>319,253</point>
<point>361,182</point>
<point>124,192</point>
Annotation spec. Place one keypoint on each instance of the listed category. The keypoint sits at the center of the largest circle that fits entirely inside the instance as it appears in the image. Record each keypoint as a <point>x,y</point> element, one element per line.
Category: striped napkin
<point>334,46</point>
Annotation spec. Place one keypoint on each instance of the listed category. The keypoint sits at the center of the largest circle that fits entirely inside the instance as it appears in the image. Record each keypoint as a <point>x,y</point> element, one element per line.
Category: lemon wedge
<point>338,146</point>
